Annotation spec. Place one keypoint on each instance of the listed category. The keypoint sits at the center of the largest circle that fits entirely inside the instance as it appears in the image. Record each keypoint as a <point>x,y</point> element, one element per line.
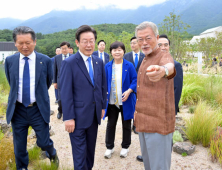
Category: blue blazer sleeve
<point>178,84</point>
<point>133,78</point>
<point>49,73</point>
<point>104,88</point>
<point>66,91</point>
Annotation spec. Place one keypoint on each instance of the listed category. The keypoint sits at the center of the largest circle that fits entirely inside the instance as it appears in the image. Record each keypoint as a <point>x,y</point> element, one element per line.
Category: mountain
<point>8,23</point>
<point>199,14</point>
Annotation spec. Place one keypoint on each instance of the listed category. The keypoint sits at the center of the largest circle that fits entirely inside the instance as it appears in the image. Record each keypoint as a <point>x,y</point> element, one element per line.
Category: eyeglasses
<point>85,42</point>
<point>133,43</point>
<point>165,44</point>
<point>147,39</point>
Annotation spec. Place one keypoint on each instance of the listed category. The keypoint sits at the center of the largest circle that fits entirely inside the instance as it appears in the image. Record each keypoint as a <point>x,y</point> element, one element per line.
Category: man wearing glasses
<point>83,96</point>
<point>155,111</point>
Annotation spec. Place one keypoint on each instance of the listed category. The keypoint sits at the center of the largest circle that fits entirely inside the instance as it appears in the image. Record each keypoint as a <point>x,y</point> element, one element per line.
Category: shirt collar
<point>31,56</point>
<point>136,53</point>
<point>67,55</point>
<point>83,56</point>
<point>101,52</point>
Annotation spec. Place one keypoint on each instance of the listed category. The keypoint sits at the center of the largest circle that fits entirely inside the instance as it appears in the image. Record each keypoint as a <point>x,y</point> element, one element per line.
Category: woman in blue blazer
<point>121,81</point>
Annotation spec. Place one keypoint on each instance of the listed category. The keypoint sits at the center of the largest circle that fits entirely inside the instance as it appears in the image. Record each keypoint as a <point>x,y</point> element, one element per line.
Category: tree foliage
<point>175,29</point>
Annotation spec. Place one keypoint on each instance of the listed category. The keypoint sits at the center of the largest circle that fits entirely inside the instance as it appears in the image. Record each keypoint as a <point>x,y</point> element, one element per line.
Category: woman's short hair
<point>116,45</point>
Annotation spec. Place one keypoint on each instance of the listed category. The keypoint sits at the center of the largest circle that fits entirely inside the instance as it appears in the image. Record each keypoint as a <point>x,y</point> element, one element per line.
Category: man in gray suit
<point>57,64</point>
<point>135,57</point>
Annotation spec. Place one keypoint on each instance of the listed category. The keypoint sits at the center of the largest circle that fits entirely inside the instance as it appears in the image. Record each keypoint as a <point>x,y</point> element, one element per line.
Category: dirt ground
<point>199,160</point>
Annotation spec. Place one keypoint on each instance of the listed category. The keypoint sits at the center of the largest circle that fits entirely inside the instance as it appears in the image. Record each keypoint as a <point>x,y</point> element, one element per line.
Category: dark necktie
<point>90,70</point>
<point>65,56</point>
<point>26,84</point>
<point>136,60</point>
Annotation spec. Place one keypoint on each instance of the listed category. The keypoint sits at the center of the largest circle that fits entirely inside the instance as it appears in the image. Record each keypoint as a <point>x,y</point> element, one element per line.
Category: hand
<point>70,125</point>
<point>126,94</point>
<point>103,113</point>
<point>55,85</point>
<point>155,73</point>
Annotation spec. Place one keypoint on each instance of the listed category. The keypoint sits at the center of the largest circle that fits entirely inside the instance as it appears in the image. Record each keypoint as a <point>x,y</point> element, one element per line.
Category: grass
<point>191,94</point>
<point>7,156</point>
<point>201,127</point>
<point>216,148</point>
<point>1,135</point>
<point>4,91</point>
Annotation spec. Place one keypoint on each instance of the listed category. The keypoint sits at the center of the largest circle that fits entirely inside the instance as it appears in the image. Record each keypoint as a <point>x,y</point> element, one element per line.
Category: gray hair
<point>145,25</point>
<point>23,30</point>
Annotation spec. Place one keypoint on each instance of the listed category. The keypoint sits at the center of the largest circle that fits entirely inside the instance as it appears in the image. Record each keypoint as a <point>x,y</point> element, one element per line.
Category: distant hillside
<point>8,23</point>
<point>199,14</point>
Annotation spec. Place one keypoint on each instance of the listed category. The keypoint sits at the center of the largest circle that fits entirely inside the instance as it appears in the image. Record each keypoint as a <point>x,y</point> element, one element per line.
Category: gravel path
<point>199,160</point>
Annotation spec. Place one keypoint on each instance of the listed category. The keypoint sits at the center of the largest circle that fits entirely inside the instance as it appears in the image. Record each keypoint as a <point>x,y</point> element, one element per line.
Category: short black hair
<point>164,36</point>
<point>101,41</point>
<point>85,28</point>
<point>23,30</point>
<point>116,45</point>
<point>70,47</point>
<point>132,38</point>
<point>65,43</point>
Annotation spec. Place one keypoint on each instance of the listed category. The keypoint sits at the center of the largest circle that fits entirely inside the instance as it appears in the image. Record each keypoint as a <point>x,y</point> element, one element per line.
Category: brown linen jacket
<point>155,106</point>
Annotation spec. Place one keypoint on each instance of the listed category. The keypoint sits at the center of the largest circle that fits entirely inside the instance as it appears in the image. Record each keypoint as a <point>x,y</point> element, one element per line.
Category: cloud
<point>26,9</point>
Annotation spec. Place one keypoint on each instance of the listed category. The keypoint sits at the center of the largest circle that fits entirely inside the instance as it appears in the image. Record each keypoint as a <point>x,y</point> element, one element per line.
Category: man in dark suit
<point>57,51</point>
<point>29,75</point>
<point>164,44</point>
<point>83,96</point>
<point>64,46</point>
<point>100,53</point>
<point>135,57</point>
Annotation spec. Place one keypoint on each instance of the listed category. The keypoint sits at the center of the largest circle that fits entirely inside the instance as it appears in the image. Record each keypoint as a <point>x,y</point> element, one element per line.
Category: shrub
<point>201,127</point>
<point>216,148</point>
<point>192,109</point>
<point>177,137</point>
<point>191,94</point>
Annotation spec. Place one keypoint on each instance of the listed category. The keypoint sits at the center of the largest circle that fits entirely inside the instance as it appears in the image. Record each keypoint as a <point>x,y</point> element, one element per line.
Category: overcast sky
<point>25,9</point>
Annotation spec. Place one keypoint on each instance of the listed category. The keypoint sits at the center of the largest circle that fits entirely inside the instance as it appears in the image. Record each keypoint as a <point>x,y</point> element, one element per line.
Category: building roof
<point>8,46</point>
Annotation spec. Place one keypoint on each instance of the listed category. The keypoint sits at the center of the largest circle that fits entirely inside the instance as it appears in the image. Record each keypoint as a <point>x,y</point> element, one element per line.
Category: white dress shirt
<point>63,56</point>
<point>32,61</point>
<point>86,61</point>
<point>134,56</point>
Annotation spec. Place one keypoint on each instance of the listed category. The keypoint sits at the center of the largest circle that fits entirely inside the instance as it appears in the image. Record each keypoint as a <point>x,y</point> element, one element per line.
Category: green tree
<point>175,29</point>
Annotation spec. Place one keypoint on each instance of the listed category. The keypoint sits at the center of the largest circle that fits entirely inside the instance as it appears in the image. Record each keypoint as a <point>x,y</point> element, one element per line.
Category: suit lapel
<point>16,62</point>
<point>38,68</point>
<point>140,60</point>
<point>95,68</point>
<point>131,58</point>
<point>60,61</point>
<point>124,71</point>
<point>82,66</point>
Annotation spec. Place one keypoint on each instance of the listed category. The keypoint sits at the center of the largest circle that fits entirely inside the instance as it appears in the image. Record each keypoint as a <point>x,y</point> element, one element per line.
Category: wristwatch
<point>166,71</point>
